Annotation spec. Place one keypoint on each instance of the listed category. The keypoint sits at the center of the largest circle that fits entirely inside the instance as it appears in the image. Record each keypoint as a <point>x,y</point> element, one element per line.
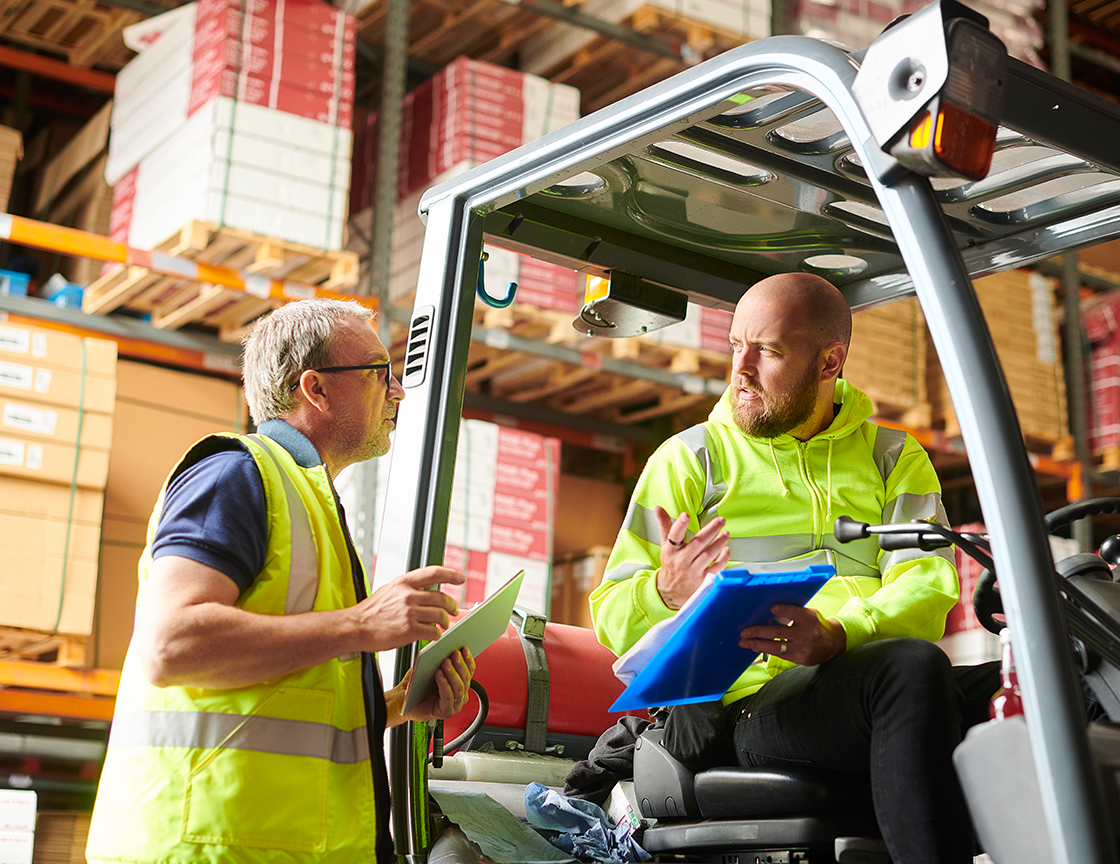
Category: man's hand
<point>801,636</point>
<point>684,565</point>
<point>403,611</point>
<point>453,688</point>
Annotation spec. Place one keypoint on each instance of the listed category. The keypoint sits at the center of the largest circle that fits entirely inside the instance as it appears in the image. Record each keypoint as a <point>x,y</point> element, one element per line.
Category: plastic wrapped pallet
<point>236,114</point>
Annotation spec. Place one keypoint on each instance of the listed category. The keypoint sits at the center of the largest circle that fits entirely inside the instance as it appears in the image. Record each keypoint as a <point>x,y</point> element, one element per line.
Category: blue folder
<point>702,658</point>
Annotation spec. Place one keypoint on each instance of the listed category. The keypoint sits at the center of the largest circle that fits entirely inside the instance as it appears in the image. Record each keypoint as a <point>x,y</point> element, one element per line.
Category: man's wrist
<point>665,598</point>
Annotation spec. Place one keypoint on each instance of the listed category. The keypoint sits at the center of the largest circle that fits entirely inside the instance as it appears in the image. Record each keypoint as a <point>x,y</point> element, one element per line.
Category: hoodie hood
<point>855,408</point>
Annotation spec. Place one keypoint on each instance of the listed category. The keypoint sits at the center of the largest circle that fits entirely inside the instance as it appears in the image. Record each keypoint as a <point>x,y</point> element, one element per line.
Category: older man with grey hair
<point>250,717</point>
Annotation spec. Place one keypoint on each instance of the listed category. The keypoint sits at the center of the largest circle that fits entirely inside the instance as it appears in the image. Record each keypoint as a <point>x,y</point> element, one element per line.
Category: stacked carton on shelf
<point>896,330</point>
<point>159,414</point>
<point>856,23</point>
<point>11,151</point>
<point>56,418</point>
<point>17,825</point>
<point>1101,322</point>
<point>238,112</point>
<point>502,511</point>
<point>1019,308</point>
<point>470,112</point>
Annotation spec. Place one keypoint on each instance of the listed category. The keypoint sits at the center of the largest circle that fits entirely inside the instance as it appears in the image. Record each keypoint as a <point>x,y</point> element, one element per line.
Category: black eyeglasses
<point>388,367</point>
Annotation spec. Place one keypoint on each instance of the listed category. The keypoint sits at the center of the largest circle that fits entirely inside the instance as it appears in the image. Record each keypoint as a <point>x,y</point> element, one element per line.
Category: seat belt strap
<point>530,628</point>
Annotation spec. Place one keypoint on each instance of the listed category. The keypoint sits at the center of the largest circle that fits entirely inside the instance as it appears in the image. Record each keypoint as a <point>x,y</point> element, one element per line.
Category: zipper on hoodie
<point>814,493</point>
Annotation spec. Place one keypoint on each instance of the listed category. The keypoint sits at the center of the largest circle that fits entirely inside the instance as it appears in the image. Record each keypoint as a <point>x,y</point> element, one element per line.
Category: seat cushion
<point>729,793</point>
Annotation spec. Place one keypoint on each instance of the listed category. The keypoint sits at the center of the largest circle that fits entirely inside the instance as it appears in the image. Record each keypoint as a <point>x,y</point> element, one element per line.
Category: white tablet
<point>475,630</point>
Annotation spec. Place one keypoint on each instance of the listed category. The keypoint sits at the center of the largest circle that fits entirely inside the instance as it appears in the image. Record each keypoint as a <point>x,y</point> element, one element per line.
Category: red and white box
<point>17,809</point>
<point>293,56</point>
<point>245,166</point>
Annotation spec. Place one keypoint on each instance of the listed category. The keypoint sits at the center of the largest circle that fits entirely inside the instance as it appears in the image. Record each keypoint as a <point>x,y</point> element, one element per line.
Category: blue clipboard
<point>702,658</point>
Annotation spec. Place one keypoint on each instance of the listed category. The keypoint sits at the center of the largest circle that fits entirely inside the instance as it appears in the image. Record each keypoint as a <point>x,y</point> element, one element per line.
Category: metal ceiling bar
<point>56,70</point>
<point>618,32</point>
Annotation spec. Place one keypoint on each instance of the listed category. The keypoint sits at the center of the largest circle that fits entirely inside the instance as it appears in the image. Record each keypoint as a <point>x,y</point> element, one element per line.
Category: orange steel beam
<point>70,241</point>
<point>19,673</point>
<point>57,70</point>
<point>56,704</point>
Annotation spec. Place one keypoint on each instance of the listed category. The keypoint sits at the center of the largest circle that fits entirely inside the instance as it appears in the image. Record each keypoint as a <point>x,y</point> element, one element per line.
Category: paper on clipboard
<point>477,628</point>
<point>695,655</point>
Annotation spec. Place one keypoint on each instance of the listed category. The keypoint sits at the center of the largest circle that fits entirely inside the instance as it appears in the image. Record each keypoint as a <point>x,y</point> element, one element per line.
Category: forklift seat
<point>745,811</point>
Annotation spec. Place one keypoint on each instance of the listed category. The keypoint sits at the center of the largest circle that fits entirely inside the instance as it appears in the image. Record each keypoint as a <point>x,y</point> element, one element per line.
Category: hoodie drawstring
<point>781,479</point>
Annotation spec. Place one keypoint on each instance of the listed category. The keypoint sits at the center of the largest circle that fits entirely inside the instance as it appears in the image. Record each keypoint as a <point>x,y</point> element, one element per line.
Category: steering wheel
<point>986,600</point>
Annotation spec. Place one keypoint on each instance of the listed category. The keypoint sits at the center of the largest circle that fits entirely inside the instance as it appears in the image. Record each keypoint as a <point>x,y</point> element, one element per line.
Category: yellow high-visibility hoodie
<point>780,498</point>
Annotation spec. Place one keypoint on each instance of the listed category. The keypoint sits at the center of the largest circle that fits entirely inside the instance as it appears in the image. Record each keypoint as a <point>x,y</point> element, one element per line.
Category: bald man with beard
<point>852,682</point>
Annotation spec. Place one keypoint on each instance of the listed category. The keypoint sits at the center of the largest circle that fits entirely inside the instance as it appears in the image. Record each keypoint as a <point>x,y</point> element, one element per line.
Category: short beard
<point>783,412</point>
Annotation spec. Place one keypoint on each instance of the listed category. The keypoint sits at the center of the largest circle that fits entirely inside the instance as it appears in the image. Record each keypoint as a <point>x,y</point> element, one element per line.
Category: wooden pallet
<point>85,33</point>
<point>495,31</point>
<point>606,70</point>
<point>441,30</point>
<point>173,303</point>
<point>56,649</point>
<point>585,388</point>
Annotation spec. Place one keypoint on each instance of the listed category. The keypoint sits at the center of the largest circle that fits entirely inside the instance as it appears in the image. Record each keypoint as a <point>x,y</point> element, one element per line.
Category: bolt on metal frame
<point>683,185</point>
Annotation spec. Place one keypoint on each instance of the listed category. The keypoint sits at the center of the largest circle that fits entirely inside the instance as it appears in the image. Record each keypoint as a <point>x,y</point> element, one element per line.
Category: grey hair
<point>284,343</point>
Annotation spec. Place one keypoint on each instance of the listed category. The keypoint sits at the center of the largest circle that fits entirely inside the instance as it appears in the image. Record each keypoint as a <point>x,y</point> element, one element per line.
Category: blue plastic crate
<point>14,283</point>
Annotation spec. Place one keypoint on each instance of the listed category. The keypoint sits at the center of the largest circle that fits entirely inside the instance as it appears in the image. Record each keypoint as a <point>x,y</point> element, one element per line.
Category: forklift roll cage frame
<point>690,186</point>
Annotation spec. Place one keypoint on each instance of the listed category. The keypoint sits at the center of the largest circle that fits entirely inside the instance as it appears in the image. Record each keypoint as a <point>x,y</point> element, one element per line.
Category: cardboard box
<point>38,573</point>
<point>589,513</point>
<point>159,414</point>
<point>11,151</point>
<point>53,463</point>
<point>55,349</point>
<point>32,498</point>
<point>16,847</point>
<point>586,573</point>
<point>17,809</point>
<point>58,425</point>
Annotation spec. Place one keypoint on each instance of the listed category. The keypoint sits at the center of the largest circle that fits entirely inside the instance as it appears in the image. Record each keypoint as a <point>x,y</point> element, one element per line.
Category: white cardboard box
<point>17,809</point>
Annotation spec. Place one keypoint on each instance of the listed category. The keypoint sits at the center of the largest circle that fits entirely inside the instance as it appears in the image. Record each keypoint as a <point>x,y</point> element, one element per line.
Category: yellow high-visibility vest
<point>279,771</point>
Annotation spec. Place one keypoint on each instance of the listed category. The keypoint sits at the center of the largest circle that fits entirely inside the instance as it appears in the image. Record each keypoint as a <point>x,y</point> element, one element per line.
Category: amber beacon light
<point>932,89</point>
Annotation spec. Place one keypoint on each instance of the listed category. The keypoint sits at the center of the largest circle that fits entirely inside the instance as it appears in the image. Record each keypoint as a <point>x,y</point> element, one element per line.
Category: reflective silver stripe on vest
<point>715,487</point>
<point>642,523</point>
<point>623,572</point>
<point>906,508</point>
<point>303,573</point>
<point>852,559</point>
<point>208,731</point>
<point>887,449</point>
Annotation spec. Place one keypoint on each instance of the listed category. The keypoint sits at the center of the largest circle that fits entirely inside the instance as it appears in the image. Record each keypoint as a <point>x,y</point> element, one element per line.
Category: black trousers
<point>892,711</point>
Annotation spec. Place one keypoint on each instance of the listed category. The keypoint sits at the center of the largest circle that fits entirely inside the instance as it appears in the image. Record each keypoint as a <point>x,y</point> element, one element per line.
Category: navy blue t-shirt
<point>214,513</point>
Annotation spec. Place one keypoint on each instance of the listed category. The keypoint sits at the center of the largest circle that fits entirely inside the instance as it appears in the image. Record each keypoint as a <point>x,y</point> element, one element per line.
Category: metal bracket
<point>906,67</point>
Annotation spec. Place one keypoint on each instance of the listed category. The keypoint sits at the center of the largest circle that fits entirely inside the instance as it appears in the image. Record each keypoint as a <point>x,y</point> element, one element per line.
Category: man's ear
<point>833,357</point>
<point>313,387</point>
